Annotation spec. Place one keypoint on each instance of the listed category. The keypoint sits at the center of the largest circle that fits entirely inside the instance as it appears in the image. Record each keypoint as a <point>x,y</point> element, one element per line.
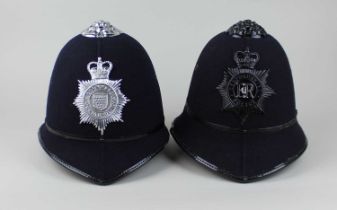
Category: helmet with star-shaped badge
<point>240,116</point>
<point>104,112</point>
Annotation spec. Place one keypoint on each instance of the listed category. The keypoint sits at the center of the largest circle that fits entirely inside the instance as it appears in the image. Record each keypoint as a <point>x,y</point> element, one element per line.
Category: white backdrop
<point>173,33</point>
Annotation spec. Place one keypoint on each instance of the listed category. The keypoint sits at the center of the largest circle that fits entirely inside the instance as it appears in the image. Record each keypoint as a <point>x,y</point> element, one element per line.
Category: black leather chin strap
<point>240,130</point>
<point>70,136</point>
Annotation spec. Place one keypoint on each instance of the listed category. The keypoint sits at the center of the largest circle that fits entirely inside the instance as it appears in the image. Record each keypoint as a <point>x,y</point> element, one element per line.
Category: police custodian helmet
<point>104,112</point>
<point>240,116</point>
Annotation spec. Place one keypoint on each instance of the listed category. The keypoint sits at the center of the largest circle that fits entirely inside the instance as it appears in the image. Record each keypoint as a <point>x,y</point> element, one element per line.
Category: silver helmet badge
<point>100,100</point>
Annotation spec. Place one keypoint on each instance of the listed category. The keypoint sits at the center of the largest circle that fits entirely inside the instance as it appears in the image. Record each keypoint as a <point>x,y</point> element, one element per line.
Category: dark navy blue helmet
<point>104,112</point>
<point>240,115</point>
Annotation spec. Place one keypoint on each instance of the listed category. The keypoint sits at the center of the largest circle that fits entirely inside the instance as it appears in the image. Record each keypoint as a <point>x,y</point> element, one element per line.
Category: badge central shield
<point>100,101</point>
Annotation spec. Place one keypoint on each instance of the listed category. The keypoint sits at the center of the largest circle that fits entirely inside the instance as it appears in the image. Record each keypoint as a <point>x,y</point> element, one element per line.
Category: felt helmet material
<point>240,115</point>
<point>104,111</point>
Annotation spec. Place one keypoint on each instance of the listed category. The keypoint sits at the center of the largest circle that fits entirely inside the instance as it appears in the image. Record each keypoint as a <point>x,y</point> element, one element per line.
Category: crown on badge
<point>100,69</point>
<point>246,58</point>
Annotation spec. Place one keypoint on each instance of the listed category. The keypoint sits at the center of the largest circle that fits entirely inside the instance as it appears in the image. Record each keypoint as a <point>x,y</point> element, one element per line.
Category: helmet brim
<point>99,161</point>
<point>243,157</point>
